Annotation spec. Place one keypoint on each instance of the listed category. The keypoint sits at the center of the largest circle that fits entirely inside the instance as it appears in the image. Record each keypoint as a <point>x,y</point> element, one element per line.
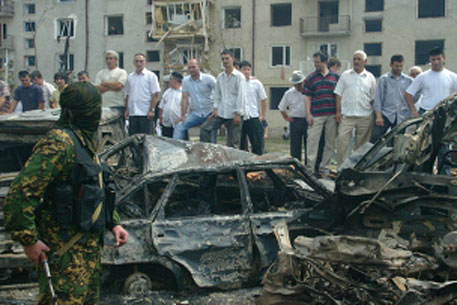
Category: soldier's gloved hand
<point>36,250</point>
<point>120,235</point>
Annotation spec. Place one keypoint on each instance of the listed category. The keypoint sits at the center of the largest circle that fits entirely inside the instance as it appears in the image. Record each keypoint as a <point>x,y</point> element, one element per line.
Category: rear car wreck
<point>199,213</point>
<point>387,234</point>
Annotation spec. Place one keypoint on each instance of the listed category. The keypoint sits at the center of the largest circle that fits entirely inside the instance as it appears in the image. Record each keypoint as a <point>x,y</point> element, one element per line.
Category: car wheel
<point>137,284</point>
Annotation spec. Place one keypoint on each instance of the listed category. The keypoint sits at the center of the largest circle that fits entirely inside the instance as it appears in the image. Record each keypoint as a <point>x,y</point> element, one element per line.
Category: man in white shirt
<point>229,103</point>
<point>355,92</point>
<point>111,81</point>
<point>435,84</point>
<point>142,90</point>
<point>47,88</point>
<point>252,126</point>
<point>292,108</point>
<point>170,105</point>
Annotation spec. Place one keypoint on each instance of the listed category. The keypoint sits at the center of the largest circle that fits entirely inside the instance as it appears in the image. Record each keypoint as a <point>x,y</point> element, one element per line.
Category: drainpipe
<point>86,62</point>
<point>253,36</point>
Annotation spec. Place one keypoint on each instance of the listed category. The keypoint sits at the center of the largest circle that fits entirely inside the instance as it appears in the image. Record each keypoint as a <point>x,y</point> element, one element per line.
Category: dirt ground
<point>234,297</point>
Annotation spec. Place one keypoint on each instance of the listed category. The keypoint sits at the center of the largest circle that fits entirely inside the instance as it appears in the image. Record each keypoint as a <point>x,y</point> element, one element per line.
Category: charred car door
<point>276,193</point>
<point>203,226</point>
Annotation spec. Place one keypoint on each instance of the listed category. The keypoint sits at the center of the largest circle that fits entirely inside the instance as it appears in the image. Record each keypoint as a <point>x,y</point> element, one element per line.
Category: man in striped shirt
<point>320,110</point>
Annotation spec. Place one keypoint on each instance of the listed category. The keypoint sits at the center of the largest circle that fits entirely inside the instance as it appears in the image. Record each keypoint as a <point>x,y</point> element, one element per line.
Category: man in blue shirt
<point>199,87</point>
<point>29,94</point>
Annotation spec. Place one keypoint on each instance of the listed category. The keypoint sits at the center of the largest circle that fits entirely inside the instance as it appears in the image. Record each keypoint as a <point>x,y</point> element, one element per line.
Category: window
<point>30,26</point>
<point>4,31</point>
<point>65,28</point>
<point>30,8</point>
<point>232,17</point>
<point>114,25</point>
<point>121,60</point>
<point>281,14</point>
<point>30,61</point>
<point>373,25</point>
<point>149,1</point>
<point>153,56</point>
<point>64,1</point>
<point>423,47</point>
<point>149,18</point>
<point>29,43</point>
<point>280,55</point>
<point>330,48</point>
<point>157,72</point>
<point>149,37</point>
<point>237,53</point>
<point>373,49</point>
<point>431,8</point>
<point>276,94</point>
<point>374,5</point>
<point>65,62</point>
<point>375,69</point>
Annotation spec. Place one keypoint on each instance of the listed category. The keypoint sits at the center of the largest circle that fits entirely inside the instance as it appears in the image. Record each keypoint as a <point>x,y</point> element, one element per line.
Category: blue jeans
<point>190,121</point>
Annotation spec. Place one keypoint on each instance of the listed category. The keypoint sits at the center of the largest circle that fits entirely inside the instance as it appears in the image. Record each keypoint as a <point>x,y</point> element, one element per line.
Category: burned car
<point>199,213</point>
<point>387,235</point>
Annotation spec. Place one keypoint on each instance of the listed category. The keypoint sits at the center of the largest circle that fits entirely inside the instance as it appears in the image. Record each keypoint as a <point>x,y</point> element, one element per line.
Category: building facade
<point>276,36</point>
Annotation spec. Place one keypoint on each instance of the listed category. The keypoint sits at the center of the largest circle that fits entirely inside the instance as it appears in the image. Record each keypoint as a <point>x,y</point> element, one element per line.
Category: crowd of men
<point>328,113</point>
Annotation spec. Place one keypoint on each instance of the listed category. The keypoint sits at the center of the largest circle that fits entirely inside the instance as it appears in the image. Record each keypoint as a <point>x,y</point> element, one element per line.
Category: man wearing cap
<point>355,92</point>
<point>170,105</point>
<point>292,108</point>
<point>111,81</point>
<point>142,91</point>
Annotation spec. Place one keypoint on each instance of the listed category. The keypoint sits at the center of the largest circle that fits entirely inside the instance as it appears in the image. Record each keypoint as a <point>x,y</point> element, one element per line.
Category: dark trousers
<point>320,151</point>
<point>253,129</point>
<point>298,131</point>
<point>140,124</point>
<point>379,131</point>
<point>167,131</point>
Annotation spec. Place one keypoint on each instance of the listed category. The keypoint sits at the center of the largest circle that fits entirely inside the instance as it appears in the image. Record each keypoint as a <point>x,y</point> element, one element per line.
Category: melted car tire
<point>137,284</point>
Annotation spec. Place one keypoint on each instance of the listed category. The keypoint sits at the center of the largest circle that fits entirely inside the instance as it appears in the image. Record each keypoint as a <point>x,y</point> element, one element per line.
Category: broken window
<point>205,194</point>
<point>30,8</point>
<point>373,25</point>
<point>431,8</point>
<point>328,14</point>
<point>65,62</point>
<point>30,26</point>
<point>178,13</point>
<point>423,47</point>
<point>149,37</point>
<point>281,14</point>
<point>374,5</point>
<point>149,18</point>
<point>373,49</point>
<point>4,31</point>
<point>65,28</point>
<point>30,61</point>
<point>330,48</point>
<point>276,94</point>
<point>114,25</point>
<point>29,44</point>
<point>153,56</point>
<point>374,69</point>
<point>232,17</point>
<point>280,55</point>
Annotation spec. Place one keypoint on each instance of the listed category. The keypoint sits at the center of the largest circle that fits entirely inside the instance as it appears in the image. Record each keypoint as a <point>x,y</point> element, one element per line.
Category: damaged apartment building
<point>276,36</point>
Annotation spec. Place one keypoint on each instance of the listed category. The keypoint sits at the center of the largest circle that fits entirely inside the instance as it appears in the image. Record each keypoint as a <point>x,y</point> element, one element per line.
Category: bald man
<point>199,87</point>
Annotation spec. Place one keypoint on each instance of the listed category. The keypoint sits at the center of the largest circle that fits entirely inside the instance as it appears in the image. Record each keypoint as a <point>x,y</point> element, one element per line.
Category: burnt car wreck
<point>387,233</point>
<point>200,214</point>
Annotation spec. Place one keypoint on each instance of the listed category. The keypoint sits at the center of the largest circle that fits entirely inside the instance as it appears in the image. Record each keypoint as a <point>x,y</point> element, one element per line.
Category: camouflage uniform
<point>29,218</point>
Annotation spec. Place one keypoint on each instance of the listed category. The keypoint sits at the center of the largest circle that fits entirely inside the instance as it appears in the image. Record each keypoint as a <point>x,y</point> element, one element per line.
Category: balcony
<point>7,43</point>
<point>6,8</point>
<point>325,26</point>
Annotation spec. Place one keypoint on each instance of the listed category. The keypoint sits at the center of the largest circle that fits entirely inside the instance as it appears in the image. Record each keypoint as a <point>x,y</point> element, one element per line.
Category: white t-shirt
<point>356,91</point>
<point>140,88</point>
<point>435,87</point>
<point>112,98</point>
<point>255,92</point>
<point>171,106</point>
<point>294,102</point>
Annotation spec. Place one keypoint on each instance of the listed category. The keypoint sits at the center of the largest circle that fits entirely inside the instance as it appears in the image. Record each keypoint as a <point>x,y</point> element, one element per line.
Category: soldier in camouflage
<point>29,209</point>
